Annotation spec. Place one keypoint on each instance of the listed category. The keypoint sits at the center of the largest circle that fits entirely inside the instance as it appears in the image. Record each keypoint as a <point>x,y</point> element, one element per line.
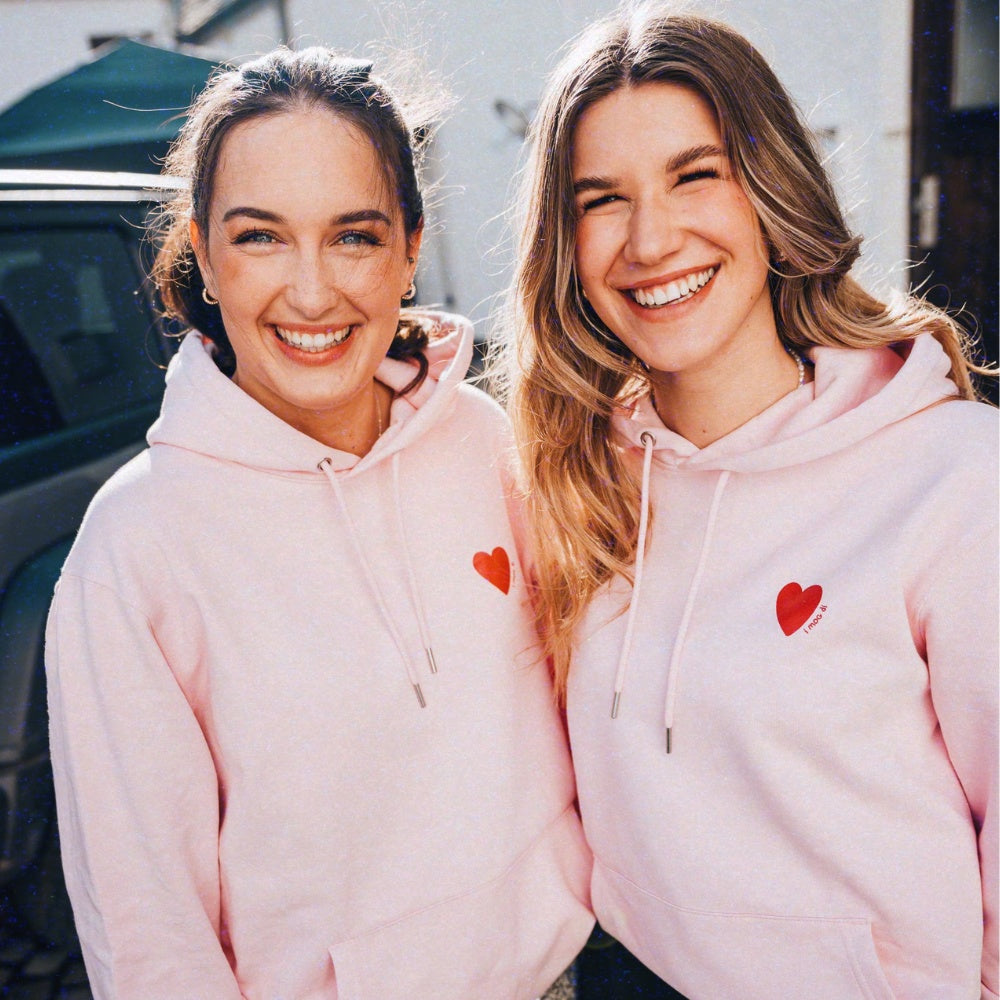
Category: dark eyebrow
<point>345,219</point>
<point>688,156</point>
<point>592,184</point>
<point>676,162</point>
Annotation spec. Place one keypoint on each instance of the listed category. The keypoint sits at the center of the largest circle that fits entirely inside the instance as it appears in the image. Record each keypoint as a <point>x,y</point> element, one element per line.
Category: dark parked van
<point>82,352</point>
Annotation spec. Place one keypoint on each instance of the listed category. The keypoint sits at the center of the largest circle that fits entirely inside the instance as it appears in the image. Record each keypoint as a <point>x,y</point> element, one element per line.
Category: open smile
<point>671,292</point>
<point>313,343</point>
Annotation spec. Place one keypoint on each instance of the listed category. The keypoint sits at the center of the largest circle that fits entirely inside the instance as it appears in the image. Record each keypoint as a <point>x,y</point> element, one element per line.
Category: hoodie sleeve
<point>138,804</point>
<point>960,614</point>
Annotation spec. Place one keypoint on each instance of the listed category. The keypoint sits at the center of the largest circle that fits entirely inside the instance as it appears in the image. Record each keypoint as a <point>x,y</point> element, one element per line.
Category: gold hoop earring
<point>208,298</point>
<point>410,293</point>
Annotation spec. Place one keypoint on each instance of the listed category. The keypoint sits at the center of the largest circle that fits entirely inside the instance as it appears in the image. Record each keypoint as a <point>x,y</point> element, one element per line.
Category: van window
<point>75,331</point>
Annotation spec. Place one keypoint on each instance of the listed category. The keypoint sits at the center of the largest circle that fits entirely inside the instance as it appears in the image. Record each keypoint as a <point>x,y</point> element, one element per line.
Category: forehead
<point>659,119</point>
<point>302,155</point>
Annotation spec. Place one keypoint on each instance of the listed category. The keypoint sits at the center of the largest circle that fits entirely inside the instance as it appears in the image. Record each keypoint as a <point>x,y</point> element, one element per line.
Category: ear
<point>413,251</point>
<point>198,244</point>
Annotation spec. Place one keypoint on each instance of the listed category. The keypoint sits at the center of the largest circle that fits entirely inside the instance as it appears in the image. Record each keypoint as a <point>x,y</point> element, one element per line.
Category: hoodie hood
<point>205,412</point>
<point>855,393</point>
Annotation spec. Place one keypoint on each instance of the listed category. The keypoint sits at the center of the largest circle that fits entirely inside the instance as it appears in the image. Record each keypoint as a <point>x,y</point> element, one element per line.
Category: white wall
<point>42,39</point>
<point>481,54</point>
<point>848,67</point>
<point>846,64</point>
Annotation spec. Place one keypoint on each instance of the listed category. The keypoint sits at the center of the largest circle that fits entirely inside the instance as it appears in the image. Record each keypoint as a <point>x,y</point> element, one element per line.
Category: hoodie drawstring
<point>418,604</point>
<point>648,442</point>
<point>326,467</point>
<point>675,658</point>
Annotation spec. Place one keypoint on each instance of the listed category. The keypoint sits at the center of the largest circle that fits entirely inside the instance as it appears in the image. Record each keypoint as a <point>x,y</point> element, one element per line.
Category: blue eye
<point>359,237</point>
<point>254,236</point>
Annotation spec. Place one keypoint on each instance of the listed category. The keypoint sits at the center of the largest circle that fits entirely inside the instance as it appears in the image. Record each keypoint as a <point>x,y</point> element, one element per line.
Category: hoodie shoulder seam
<point>90,581</point>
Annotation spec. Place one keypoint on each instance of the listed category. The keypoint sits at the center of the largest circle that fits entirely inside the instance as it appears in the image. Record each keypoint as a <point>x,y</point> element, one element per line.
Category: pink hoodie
<point>252,801</point>
<point>814,629</point>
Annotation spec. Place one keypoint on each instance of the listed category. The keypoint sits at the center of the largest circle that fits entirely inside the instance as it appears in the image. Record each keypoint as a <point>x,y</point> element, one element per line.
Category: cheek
<point>745,222</point>
<point>243,273</point>
<point>380,277</point>
<point>592,252</point>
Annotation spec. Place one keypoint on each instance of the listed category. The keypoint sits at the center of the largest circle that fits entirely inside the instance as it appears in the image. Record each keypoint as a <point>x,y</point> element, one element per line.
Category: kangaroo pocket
<point>508,939</point>
<point>751,956</point>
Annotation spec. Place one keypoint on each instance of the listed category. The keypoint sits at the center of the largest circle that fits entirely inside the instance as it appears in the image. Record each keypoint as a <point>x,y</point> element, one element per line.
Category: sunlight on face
<point>307,256</point>
<point>668,248</point>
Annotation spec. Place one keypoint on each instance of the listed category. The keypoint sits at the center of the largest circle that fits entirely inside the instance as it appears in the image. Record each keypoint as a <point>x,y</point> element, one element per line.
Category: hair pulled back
<point>281,81</point>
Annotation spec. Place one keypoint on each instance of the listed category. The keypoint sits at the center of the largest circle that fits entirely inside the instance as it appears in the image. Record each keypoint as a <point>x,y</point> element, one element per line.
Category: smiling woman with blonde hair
<point>764,511</point>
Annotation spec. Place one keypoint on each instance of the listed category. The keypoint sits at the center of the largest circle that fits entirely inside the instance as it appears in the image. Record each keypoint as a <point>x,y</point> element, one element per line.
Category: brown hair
<point>567,372</point>
<point>281,81</point>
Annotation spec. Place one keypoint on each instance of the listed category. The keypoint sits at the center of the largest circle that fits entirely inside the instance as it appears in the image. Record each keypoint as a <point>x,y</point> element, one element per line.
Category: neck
<point>354,432</point>
<point>706,405</point>
<point>361,438</point>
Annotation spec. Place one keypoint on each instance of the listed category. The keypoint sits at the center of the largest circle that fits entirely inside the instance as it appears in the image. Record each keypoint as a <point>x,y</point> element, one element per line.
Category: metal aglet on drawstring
<point>431,660</point>
<point>420,696</point>
<point>615,703</point>
<point>670,740</point>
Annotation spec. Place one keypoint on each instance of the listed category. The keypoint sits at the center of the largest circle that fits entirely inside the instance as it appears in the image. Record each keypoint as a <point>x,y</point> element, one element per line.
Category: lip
<point>313,357</point>
<point>665,279</point>
<point>311,327</point>
<point>681,301</point>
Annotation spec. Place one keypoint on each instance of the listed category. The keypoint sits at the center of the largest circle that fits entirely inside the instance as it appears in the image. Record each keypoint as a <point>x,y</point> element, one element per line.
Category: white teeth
<point>313,342</point>
<point>672,291</point>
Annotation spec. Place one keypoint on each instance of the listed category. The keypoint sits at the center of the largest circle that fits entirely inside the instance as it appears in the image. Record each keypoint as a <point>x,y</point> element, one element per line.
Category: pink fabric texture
<point>252,802</point>
<point>817,625</point>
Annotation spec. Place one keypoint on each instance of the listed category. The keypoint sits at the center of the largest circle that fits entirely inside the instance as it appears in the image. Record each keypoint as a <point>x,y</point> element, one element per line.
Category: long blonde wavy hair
<point>565,373</point>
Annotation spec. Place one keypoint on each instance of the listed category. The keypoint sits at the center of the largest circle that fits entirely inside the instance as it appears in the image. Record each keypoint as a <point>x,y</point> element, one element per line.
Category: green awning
<point>118,112</point>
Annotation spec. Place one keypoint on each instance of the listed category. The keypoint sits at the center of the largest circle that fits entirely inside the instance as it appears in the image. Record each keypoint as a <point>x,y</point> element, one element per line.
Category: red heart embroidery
<point>795,605</point>
<point>494,567</point>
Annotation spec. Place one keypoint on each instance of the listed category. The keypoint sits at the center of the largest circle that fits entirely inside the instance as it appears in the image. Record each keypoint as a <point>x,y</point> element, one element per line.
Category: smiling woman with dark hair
<point>305,746</point>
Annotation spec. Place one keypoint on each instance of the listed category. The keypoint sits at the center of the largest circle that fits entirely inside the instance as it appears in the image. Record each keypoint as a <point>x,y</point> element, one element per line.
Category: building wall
<point>42,39</point>
<point>824,53</point>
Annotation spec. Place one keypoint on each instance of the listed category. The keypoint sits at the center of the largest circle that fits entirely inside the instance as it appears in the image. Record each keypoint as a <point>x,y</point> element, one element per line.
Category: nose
<point>310,285</point>
<point>654,231</point>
